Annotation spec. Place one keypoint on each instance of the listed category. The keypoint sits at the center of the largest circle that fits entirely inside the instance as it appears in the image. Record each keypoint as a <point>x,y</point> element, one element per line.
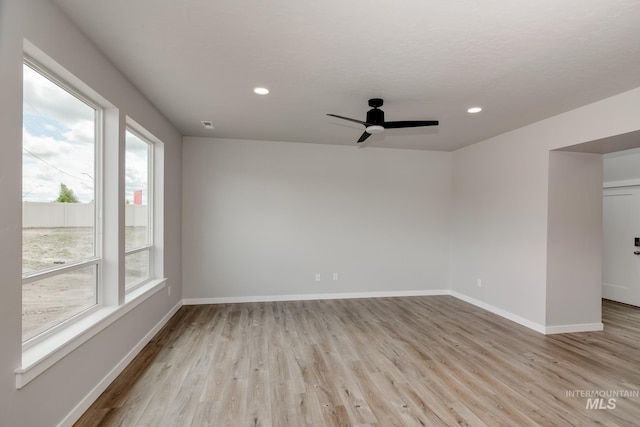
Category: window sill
<point>42,356</point>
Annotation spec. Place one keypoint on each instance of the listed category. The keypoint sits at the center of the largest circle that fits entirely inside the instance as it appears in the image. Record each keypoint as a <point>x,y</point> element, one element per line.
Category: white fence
<point>49,215</point>
<point>136,215</point>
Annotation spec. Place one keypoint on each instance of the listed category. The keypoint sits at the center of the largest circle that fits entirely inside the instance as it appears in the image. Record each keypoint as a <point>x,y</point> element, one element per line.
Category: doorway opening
<point>621,177</point>
<point>621,227</point>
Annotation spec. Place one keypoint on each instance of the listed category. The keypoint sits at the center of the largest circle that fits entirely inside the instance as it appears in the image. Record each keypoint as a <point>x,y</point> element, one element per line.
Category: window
<point>61,254</point>
<point>138,209</point>
<point>88,256</point>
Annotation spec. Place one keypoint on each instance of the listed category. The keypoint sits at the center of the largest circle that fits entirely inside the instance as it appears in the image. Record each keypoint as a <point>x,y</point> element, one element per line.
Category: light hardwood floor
<point>414,361</point>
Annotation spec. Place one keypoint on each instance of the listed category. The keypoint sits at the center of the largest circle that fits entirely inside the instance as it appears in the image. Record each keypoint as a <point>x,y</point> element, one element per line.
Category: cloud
<point>43,98</point>
<point>47,162</point>
<point>59,145</point>
<point>58,141</point>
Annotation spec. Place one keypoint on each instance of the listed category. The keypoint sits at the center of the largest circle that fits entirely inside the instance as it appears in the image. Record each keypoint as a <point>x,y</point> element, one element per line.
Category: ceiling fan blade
<point>347,118</point>
<point>409,124</point>
<point>364,136</point>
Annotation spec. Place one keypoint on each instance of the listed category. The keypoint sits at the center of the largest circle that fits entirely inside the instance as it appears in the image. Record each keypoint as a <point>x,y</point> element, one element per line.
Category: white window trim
<point>154,201</point>
<point>43,355</point>
<point>139,132</point>
<point>62,78</point>
<point>41,275</point>
<point>62,269</point>
<point>49,349</point>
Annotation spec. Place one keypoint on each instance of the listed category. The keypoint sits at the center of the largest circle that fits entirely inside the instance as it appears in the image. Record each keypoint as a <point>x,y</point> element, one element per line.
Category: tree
<point>66,195</point>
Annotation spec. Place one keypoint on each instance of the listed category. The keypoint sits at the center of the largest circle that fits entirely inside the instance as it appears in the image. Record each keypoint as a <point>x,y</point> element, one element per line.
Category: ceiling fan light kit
<point>373,129</point>
<point>375,121</point>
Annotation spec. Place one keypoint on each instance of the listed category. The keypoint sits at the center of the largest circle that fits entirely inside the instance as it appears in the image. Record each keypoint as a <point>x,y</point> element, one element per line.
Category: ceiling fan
<point>375,121</point>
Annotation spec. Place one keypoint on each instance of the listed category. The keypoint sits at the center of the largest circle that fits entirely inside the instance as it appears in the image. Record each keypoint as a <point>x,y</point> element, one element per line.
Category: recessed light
<point>208,124</point>
<point>474,110</point>
<point>261,90</point>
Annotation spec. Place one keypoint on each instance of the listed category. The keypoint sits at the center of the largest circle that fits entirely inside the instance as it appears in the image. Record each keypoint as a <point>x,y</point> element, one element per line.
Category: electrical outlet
<point>169,290</point>
<point>317,277</point>
<point>335,276</point>
<point>479,282</point>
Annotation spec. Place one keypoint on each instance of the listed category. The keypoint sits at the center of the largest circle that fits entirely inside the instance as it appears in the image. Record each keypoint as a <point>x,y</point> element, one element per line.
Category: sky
<point>58,141</point>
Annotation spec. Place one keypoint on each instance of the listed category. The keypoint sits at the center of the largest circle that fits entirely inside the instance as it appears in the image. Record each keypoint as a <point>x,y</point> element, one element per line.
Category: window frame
<point>142,134</point>
<point>46,349</point>
<point>97,259</point>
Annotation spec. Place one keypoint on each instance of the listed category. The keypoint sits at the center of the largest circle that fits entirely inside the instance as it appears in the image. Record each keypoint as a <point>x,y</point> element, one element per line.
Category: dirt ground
<point>54,299</point>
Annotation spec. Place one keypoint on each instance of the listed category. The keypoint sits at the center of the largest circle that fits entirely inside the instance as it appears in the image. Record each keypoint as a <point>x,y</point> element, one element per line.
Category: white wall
<point>50,397</point>
<point>273,213</point>
<point>501,207</point>
<point>499,226</point>
<point>11,14</point>
<point>622,167</point>
<point>574,245</point>
<point>262,218</point>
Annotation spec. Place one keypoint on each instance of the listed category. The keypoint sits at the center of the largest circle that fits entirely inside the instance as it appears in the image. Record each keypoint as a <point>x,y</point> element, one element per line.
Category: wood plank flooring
<point>414,361</point>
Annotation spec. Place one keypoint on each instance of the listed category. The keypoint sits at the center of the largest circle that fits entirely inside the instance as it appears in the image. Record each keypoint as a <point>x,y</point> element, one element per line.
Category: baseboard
<point>500,312</point>
<point>307,297</point>
<point>567,329</point>
<point>547,330</point>
<point>88,400</point>
<point>390,294</point>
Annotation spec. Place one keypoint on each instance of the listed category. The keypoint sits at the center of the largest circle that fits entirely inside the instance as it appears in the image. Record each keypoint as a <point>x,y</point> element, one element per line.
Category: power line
<point>50,165</point>
<point>42,119</point>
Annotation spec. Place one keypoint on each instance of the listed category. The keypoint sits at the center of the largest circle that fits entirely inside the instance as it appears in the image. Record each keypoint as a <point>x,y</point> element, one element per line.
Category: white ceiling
<point>522,61</point>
